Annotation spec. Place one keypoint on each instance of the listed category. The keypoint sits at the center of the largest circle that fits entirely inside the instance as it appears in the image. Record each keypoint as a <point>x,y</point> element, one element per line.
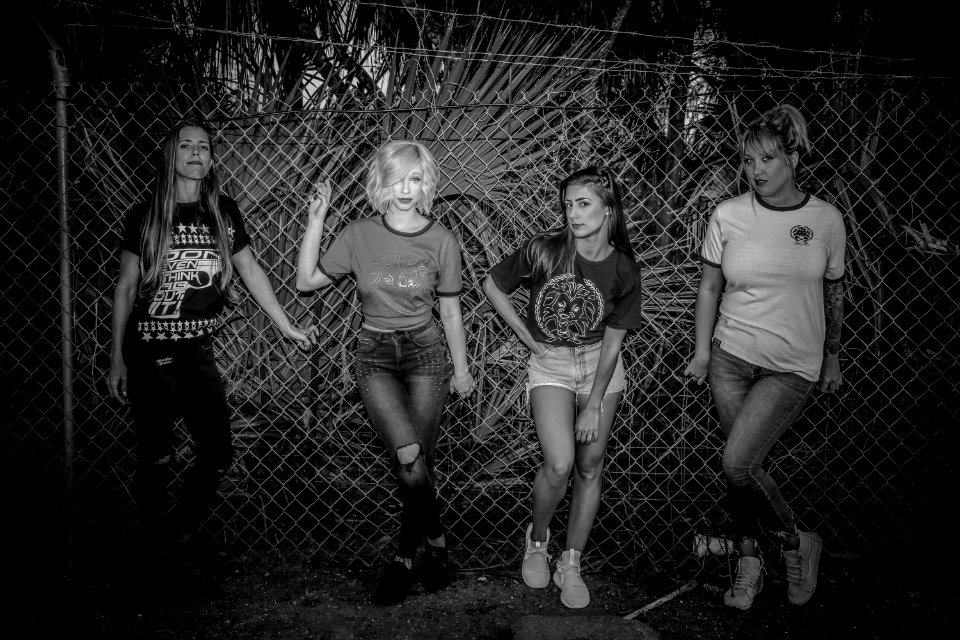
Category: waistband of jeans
<point>364,325</point>
<point>576,348</point>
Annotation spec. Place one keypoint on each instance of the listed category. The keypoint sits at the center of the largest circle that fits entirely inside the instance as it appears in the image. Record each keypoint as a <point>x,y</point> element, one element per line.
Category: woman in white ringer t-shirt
<point>777,255</point>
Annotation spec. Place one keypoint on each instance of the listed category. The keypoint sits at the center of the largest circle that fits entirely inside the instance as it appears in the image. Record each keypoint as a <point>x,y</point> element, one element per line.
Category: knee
<point>411,468</point>
<point>590,470</point>
<point>736,469</point>
<point>557,471</point>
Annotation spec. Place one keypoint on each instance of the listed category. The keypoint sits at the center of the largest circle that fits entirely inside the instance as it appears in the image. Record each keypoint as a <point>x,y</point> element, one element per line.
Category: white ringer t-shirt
<point>774,261</point>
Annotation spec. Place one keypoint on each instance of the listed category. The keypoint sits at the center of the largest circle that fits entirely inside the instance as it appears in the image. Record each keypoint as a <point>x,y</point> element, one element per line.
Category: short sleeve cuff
<point>708,262</point>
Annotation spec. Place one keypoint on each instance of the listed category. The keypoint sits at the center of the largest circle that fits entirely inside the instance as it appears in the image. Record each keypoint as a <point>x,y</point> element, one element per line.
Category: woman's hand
<point>117,380</point>
<point>305,336</point>
<point>462,383</point>
<point>537,348</point>
<point>697,368</point>
<point>319,203</point>
<point>587,430</point>
<point>830,377</point>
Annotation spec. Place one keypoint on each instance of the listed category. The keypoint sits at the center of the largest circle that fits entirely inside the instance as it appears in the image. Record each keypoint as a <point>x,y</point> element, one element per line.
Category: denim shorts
<point>572,368</point>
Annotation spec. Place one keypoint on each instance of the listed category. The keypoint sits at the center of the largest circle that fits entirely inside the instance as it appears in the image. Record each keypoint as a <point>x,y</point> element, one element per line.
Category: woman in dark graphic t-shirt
<point>584,296</point>
<point>403,262</point>
<point>178,256</point>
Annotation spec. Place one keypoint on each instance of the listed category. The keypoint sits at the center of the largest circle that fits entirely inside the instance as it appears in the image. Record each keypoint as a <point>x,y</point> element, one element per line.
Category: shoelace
<point>566,568</point>
<point>747,578</point>
<point>794,564</point>
<point>533,551</point>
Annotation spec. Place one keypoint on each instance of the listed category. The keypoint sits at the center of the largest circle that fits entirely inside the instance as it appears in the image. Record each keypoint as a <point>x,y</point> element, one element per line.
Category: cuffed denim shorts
<point>572,368</point>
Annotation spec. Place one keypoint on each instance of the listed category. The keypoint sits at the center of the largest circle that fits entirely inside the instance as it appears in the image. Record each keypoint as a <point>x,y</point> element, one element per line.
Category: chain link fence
<point>862,467</point>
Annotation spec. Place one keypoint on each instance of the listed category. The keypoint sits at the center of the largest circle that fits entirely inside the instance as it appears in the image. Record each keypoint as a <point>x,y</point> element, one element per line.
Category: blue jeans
<point>404,380</point>
<point>755,405</point>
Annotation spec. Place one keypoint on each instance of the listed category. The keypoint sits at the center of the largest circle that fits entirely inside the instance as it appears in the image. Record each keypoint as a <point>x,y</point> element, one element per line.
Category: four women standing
<point>778,250</point>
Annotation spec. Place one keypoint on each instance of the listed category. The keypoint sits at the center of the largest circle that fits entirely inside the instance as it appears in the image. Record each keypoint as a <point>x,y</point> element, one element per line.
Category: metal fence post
<point>61,82</point>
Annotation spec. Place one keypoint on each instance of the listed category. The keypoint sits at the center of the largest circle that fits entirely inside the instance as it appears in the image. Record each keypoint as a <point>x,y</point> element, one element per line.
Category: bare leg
<point>588,477</point>
<point>553,416</point>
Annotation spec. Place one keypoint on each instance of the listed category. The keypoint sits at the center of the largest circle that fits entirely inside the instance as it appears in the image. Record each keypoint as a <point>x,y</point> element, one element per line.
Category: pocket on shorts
<point>426,336</point>
<point>367,341</point>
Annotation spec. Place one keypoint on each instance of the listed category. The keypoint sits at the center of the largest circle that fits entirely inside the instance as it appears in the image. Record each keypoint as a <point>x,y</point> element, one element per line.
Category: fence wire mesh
<point>309,474</point>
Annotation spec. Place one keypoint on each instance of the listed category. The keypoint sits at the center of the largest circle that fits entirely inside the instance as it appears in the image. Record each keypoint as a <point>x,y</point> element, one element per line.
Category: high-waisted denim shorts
<point>572,368</point>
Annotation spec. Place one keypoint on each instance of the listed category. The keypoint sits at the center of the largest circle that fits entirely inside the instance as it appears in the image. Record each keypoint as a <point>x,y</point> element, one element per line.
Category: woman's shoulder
<point>736,203</point>
<point>438,232</point>
<point>627,263</point>
<point>822,207</point>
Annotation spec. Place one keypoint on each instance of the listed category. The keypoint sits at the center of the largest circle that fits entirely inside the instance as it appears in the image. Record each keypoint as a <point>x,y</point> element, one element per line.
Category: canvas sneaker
<point>536,562</point>
<point>803,565</point>
<point>573,592</point>
<point>748,584</point>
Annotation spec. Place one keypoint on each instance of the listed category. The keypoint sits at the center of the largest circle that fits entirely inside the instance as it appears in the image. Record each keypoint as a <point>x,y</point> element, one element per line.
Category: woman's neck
<point>594,248</point>
<point>405,221</point>
<point>787,197</point>
<point>187,190</point>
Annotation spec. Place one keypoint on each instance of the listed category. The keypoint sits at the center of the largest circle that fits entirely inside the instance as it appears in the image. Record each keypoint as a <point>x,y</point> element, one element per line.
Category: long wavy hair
<point>779,132</point>
<point>554,251</point>
<point>158,224</point>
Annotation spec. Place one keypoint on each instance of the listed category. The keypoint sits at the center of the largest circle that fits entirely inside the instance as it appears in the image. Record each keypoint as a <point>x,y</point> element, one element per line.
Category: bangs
<point>405,160</point>
<point>760,141</point>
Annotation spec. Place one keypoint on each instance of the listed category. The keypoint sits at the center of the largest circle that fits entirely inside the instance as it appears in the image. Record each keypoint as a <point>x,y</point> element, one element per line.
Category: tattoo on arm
<point>833,312</point>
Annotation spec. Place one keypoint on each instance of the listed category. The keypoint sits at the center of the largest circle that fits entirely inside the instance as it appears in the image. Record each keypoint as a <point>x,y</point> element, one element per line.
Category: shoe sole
<point>815,569</point>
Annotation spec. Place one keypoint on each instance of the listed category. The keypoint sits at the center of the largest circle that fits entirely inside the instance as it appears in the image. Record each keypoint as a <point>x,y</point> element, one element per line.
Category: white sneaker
<point>748,584</point>
<point>573,592</point>
<point>536,562</point>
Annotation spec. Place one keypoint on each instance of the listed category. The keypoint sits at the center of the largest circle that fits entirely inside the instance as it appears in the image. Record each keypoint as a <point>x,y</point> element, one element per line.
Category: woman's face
<point>586,213</point>
<point>768,174</point>
<point>193,156</point>
<point>408,192</point>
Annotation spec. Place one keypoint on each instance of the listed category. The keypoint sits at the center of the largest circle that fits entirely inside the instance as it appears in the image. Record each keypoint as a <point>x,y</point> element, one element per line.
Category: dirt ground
<point>252,598</point>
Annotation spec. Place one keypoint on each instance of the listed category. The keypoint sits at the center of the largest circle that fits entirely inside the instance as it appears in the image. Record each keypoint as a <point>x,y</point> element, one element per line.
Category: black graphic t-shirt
<point>574,309</point>
<point>188,300</point>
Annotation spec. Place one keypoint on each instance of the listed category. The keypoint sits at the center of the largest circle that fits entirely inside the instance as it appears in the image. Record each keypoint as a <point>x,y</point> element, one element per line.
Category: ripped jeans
<point>404,380</point>
<point>163,384</point>
<point>756,406</point>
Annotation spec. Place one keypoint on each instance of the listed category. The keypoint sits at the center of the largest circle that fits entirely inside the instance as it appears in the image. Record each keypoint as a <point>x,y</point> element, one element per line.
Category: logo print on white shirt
<point>801,234</point>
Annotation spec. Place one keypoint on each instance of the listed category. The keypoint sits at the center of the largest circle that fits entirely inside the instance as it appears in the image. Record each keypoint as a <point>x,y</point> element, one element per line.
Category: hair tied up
<point>606,177</point>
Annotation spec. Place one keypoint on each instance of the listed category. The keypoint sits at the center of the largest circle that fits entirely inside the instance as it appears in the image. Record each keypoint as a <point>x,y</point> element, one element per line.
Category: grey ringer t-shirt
<point>399,275</point>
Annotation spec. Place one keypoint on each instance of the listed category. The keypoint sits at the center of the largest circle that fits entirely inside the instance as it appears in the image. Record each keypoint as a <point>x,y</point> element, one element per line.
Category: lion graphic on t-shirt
<point>566,309</point>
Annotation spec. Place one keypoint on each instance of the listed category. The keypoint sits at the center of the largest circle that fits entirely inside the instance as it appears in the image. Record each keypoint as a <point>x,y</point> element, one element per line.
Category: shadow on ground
<point>246,598</point>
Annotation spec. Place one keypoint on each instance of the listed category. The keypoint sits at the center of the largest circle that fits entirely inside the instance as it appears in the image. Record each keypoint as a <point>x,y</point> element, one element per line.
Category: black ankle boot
<point>394,584</point>
<point>435,569</point>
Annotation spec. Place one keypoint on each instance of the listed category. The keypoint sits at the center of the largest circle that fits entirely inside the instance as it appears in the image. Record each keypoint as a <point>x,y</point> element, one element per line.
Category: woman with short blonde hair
<point>403,262</point>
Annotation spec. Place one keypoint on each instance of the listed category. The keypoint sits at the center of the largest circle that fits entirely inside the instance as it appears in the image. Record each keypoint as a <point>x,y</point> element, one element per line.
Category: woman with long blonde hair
<point>179,254</point>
